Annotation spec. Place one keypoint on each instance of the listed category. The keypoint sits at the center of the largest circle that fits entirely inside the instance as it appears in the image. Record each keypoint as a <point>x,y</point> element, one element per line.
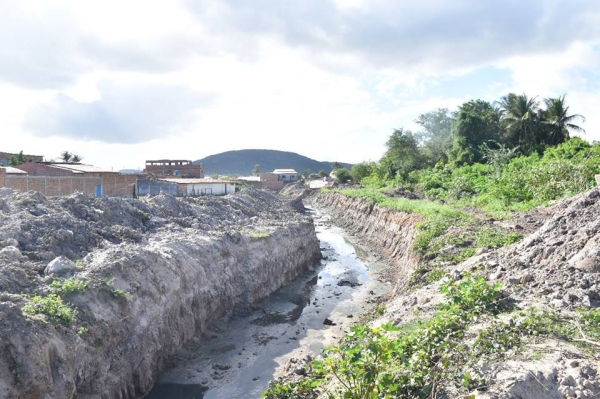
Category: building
<point>5,158</point>
<point>56,179</point>
<point>182,187</point>
<point>286,175</point>
<point>174,168</point>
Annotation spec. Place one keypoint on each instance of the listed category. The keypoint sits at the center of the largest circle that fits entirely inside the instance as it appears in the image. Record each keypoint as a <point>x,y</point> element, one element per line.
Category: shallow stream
<point>240,355</point>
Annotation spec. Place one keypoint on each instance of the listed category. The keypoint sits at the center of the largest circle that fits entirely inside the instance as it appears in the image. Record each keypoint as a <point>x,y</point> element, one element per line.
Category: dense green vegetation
<point>507,155</point>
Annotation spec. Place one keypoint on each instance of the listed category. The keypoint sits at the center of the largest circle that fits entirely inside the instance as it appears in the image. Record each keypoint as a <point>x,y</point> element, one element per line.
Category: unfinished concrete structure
<point>55,179</point>
<point>174,168</point>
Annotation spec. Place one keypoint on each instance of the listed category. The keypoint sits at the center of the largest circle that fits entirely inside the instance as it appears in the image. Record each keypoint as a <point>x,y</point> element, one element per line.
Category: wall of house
<point>40,169</point>
<point>268,177</point>
<point>186,171</point>
<point>209,189</point>
<point>272,185</point>
<point>288,177</point>
<point>2,177</point>
<point>113,184</point>
<point>155,187</point>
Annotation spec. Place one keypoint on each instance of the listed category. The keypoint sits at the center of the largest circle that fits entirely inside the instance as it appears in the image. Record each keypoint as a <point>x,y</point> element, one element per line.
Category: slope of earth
<point>515,322</point>
<point>96,294</point>
<point>242,162</point>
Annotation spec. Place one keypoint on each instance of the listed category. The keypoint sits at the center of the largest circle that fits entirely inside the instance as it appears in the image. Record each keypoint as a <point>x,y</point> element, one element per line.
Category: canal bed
<point>239,356</point>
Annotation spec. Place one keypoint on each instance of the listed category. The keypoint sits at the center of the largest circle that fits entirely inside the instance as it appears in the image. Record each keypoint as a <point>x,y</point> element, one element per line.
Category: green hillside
<point>242,162</point>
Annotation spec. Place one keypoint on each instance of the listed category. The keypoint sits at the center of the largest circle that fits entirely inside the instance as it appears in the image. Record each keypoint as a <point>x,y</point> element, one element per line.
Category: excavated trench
<point>238,357</point>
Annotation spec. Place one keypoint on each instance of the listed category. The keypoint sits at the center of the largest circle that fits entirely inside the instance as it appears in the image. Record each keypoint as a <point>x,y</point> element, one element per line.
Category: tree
<point>556,117</point>
<point>256,170</point>
<point>322,173</point>
<point>402,155</point>
<point>520,118</point>
<point>336,165</point>
<point>477,122</point>
<point>69,157</point>
<point>436,135</point>
<point>342,175</point>
<point>361,170</point>
<point>66,156</point>
<point>17,159</point>
<point>306,174</point>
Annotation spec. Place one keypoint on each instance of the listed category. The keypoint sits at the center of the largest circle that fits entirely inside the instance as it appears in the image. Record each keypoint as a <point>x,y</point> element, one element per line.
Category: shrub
<point>52,306</point>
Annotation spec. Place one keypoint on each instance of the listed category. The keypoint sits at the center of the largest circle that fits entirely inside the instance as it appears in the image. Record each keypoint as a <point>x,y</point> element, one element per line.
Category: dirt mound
<point>96,293</point>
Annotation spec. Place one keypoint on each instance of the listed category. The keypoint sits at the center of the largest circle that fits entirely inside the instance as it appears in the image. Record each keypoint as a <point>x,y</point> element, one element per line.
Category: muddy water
<point>239,356</point>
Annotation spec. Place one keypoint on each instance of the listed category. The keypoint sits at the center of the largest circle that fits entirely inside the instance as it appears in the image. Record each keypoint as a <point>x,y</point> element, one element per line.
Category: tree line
<point>478,132</point>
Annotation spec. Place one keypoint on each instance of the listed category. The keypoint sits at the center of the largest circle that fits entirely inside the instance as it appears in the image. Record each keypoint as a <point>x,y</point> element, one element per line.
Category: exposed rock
<point>60,265</point>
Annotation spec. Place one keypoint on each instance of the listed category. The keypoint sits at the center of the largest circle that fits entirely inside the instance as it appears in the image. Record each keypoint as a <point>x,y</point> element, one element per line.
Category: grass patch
<point>259,234</point>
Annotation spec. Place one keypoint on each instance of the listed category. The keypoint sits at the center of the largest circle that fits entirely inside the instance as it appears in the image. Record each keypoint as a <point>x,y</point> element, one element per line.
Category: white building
<point>286,175</point>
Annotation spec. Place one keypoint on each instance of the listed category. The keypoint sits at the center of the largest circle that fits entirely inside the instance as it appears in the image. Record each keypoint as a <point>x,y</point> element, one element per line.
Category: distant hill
<point>242,162</point>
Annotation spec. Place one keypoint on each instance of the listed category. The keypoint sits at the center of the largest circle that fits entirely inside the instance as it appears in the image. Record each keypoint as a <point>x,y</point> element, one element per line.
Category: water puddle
<point>238,357</point>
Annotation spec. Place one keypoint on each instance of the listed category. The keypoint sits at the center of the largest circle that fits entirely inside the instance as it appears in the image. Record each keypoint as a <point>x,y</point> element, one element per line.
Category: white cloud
<point>120,82</point>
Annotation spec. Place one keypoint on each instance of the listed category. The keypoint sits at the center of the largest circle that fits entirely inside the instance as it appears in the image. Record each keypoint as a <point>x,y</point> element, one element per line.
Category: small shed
<point>286,175</point>
<point>197,187</point>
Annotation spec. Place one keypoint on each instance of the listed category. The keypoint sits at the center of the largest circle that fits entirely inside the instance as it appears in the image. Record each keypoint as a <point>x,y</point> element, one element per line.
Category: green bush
<point>70,286</point>
<point>52,306</point>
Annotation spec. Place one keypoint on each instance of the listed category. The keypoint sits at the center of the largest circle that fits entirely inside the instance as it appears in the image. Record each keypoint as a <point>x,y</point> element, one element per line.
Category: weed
<point>81,331</point>
<point>120,294</point>
<point>69,286</point>
<point>473,295</point>
<point>79,264</point>
<point>52,306</point>
<point>259,234</point>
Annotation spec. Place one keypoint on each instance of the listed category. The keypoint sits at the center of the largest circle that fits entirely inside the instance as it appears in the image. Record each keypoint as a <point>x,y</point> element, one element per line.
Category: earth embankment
<point>96,294</point>
<point>387,232</point>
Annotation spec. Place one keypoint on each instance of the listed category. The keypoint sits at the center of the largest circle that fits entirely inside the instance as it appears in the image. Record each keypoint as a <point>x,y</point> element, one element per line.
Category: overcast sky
<point>119,82</point>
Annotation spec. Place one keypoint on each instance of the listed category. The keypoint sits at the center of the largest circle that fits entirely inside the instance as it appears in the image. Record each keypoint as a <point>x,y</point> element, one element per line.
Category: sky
<point>120,82</point>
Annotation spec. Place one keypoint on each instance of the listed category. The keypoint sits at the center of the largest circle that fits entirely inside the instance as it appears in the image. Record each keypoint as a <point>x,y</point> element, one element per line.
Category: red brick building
<point>174,168</point>
<point>55,179</point>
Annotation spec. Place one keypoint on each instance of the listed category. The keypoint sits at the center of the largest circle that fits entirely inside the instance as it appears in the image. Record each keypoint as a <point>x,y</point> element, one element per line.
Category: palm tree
<point>66,156</point>
<point>76,158</point>
<point>521,120</point>
<point>556,116</point>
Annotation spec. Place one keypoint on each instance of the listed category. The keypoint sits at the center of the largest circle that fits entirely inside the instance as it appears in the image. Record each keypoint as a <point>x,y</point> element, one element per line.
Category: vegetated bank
<point>95,294</point>
<point>491,302</point>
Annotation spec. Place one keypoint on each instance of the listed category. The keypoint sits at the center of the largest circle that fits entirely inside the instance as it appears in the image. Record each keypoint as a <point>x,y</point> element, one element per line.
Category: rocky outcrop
<point>157,271</point>
<point>387,231</point>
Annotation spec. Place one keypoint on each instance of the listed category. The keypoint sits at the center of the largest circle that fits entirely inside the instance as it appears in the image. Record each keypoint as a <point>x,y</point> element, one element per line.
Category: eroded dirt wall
<point>159,270</point>
<point>388,232</point>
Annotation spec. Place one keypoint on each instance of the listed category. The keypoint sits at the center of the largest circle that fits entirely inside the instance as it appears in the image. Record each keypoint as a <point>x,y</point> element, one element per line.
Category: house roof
<point>13,171</point>
<point>80,168</point>
<point>284,171</point>
<point>197,181</point>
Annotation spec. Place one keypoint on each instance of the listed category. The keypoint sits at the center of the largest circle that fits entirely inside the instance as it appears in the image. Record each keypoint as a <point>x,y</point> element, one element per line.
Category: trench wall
<point>387,231</point>
<point>178,287</point>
